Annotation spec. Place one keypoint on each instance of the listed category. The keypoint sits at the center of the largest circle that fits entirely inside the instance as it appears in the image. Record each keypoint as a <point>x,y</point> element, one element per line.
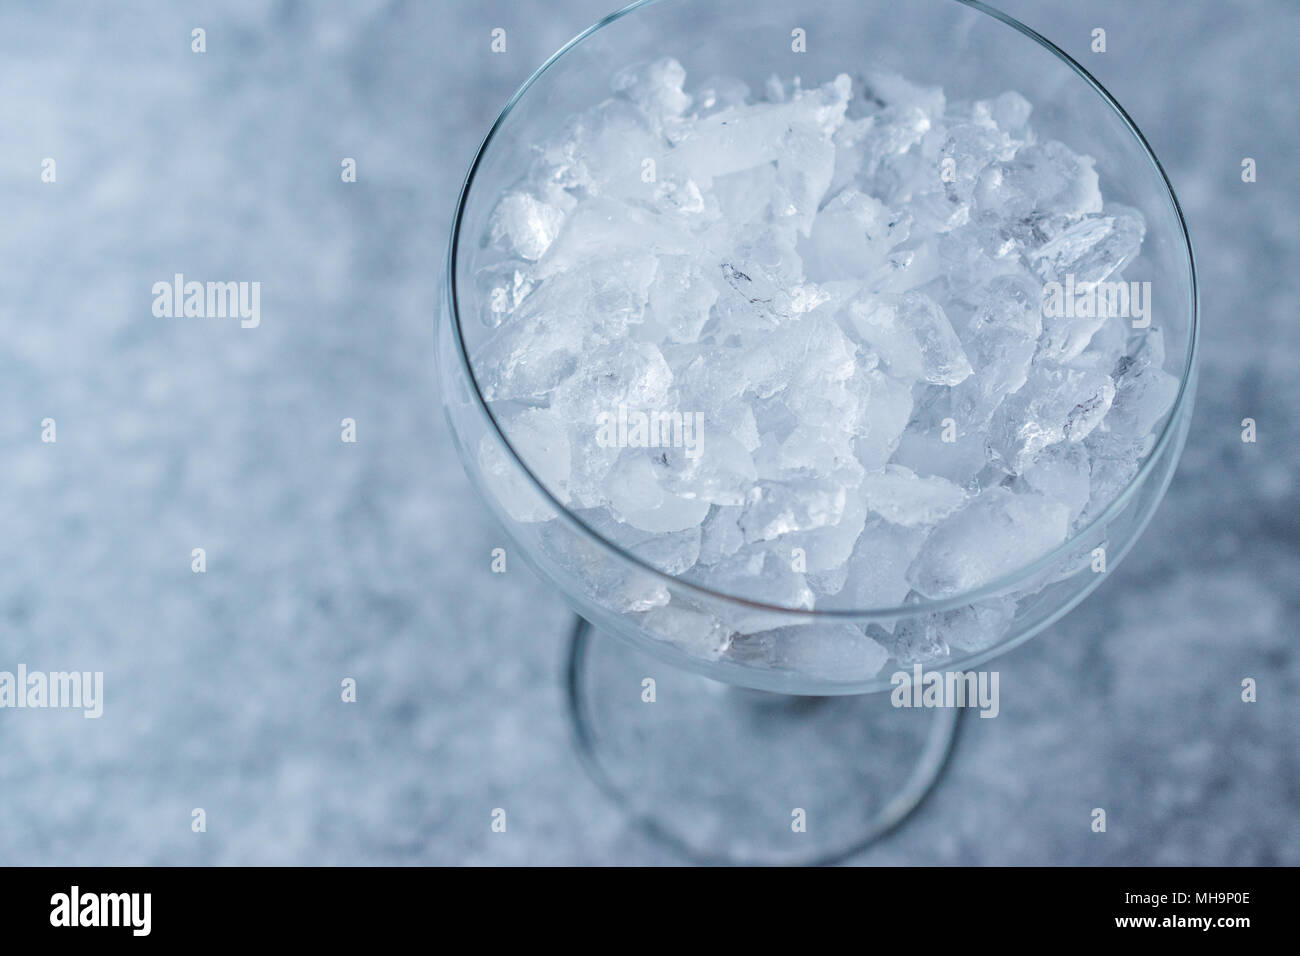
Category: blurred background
<point>371,560</point>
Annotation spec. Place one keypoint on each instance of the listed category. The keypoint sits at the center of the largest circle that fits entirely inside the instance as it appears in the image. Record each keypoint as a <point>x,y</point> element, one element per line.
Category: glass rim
<point>997,586</point>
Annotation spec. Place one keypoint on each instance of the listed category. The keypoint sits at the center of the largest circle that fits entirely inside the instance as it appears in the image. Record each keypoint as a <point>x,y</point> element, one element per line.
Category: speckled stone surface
<point>370,560</point>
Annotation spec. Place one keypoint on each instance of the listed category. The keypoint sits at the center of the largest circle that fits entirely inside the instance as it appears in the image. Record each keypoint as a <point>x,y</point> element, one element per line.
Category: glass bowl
<point>718,773</point>
<point>963,47</point>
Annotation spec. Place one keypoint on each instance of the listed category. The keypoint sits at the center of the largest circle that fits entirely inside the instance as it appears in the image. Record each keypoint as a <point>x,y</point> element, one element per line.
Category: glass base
<point>732,776</point>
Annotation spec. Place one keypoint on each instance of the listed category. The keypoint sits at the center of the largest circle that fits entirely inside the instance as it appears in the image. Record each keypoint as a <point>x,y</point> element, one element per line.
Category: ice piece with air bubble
<point>720,471</point>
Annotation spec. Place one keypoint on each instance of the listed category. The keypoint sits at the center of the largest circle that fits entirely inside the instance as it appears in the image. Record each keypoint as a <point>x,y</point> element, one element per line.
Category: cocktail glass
<point>784,757</point>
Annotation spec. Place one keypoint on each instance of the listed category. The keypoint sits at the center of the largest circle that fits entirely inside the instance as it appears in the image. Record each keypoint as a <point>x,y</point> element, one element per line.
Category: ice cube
<point>636,496</point>
<point>719,93</point>
<point>877,569</point>
<point>680,298</point>
<point>632,376</point>
<point>1044,187</point>
<point>631,484</point>
<point>737,139</point>
<point>928,452</point>
<point>917,641</point>
<point>1106,345</point>
<point>828,548</point>
<point>1056,404</point>
<point>1093,248</point>
<point>808,450</point>
<point>759,574</point>
<point>955,157</point>
<point>671,513</point>
<point>994,535</point>
<point>698,633</point>
<point>720,533</point>
<point>537,348</point>
<point>775,508</point>
<point>656,88</point>
<point>975,627</point>
<point>1115,460</point>
<point>1008,112</point>
<point>895,91</point>
<point>885,408</point>
<point>912,336</point>
<point>672,553</point>
<point>850,151</point>
<point>604,230</point>
<point>501,288</point>
<point>721,472</point>
<point>1062,473</point>
<point>830,651</point>
<point>526,223</point>
<point>852,232</point>
<point>1144,392</point>
<point>1000,337</point>
<point>899,496</point>
<point>509,485</point>
<point>810,354</point>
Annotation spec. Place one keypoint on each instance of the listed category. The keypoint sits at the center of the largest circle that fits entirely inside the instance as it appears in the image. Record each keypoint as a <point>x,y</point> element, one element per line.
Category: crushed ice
<point>845,282</point>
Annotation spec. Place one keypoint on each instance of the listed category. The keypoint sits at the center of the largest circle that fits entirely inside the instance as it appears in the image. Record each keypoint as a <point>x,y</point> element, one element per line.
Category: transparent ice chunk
<point>1056,404</point>
<point>899,496</point>
<point>775,508</point>
<point>912,336</point>
<point>1000,338</point>
<point>656,88</point>
<point>1144,392</point>
<point>696,632</point>
<point>527,224</point>
<point>975,627</point>
<point>852,233</point>
<point>877,569</point>
<point>996,533</point>
<point>1063,473</point>
<point>831,651</point>
<point>1093,249</point>
<point>884,411</point>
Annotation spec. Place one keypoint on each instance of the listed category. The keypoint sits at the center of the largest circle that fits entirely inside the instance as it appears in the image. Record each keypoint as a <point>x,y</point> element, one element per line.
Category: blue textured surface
<point>328,560</point>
